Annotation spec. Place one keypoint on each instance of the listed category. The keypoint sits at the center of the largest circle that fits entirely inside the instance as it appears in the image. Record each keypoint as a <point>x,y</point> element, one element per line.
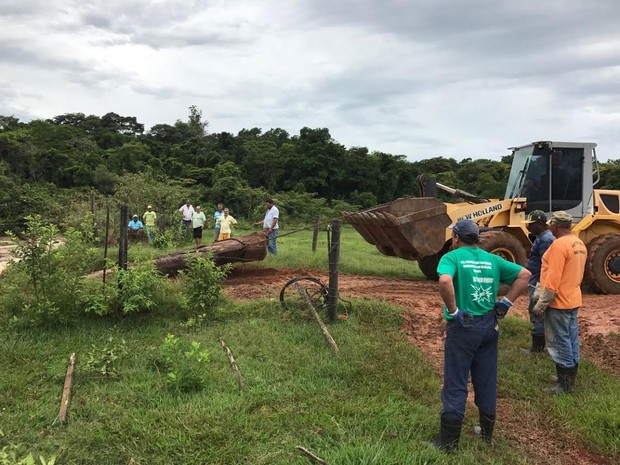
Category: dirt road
<point>423,324</point>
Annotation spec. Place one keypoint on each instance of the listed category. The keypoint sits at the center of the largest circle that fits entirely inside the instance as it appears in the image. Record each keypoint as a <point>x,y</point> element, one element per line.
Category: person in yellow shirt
<point>226,223</point>
<point>563,265</point>
<point>150,221</point>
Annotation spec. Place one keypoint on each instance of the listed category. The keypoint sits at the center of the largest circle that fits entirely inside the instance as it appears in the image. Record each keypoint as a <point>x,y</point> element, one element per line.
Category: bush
<point>203,283</point>
<point>136,290</point>
<point>184,364</point>
<point>42,287</point>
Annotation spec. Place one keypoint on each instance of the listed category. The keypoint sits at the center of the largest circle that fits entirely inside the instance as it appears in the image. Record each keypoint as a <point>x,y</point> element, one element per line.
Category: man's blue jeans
<point>216,234</point>
<point>273,237</point>
<point>472,348</point>
<point>538,322</point>
<point>562,336</point>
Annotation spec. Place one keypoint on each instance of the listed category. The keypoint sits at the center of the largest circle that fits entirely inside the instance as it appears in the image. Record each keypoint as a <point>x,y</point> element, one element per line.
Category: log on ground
<point>239,249</point>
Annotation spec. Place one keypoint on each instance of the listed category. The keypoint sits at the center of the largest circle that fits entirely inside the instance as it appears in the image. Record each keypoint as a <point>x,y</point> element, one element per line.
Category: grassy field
<point>375,403</point>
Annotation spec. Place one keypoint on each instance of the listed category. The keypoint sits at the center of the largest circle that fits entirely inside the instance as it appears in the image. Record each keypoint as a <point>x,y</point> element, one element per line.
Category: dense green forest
<point>51,167</point>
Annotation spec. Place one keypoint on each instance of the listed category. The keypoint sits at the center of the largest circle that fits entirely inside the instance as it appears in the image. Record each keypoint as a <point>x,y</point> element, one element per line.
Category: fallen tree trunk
<point>243,249</point>
<point>239,249</point>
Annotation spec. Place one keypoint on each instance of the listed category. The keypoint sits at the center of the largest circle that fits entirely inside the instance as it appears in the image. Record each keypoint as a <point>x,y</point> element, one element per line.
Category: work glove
<point>462,318</point>
<point>546,297</point>
<point>536,293</point>
<point>501,307</point>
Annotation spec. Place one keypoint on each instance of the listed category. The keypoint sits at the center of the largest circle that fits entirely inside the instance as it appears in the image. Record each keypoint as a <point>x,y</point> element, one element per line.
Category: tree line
<point>75,152</point>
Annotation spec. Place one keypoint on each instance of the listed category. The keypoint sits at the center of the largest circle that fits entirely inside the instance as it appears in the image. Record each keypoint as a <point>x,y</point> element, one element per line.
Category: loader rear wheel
<point>602,272</point>
<point>505,245</point>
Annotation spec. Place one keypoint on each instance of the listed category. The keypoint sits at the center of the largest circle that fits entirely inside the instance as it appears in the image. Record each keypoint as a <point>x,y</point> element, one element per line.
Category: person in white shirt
<point>270,225</point>
<point>187,211</point>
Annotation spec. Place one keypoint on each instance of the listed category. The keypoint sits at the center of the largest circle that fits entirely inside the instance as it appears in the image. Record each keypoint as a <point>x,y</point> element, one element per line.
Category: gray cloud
<point>22,7</point>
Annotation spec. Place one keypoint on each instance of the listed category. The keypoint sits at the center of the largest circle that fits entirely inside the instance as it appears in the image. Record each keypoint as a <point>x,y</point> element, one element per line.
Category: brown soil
<point>424,326</point>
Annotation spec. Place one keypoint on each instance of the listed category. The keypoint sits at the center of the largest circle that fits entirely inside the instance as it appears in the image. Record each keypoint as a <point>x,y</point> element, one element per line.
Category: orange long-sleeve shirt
<point>563,265</point>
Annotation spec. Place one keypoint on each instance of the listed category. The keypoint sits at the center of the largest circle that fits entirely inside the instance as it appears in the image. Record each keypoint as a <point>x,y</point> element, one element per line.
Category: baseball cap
<point>562,218</point>
<point>536,216</point>
<point>466,229</point>
<point>135,216</point>
<point>149,207</point>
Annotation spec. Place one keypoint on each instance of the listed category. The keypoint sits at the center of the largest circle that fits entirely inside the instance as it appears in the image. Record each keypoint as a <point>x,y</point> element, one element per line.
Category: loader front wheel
<point>602,272</point>
<point>505,245</point>
<point>428,265</point>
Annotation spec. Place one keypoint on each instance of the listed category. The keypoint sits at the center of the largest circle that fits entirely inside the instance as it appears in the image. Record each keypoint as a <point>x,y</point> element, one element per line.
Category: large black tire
<point>428,265</point>
<point>602,273</point>
<point>505,245</point>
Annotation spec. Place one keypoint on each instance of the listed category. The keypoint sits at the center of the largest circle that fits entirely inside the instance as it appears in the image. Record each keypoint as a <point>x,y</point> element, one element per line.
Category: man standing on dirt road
<point>469,279</point>
<point>562,271</point>
<point>537,225</point>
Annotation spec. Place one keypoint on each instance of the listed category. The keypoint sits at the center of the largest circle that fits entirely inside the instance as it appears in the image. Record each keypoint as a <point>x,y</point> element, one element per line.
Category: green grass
<point>593,410</point>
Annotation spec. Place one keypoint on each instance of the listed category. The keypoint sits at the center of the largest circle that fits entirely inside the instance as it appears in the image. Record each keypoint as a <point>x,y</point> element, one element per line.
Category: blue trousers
<point>538,322</point>
<point>562,336</point>
<point>216,234</point>
<point>470,349</point>
<point>272,247</point>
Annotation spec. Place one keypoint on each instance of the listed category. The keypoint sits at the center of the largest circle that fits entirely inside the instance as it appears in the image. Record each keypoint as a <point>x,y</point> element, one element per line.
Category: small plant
<point>104,361</point>
<point>184,363</point>
<point>203,281</point>
<point>9,456</point>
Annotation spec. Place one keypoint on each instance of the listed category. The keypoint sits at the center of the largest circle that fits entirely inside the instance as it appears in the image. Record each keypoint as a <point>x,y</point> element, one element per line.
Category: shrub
<point>203,283</point>
<point>42,287</point>
<point>136,290</point>
<point>184,364</point>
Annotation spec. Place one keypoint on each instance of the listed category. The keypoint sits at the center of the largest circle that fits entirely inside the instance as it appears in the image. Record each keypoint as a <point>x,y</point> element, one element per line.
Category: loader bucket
<point>409,228</point>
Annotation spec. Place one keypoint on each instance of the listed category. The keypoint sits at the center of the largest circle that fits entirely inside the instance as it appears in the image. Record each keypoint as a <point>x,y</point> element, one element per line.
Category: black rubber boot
<point>449,435</point>
<point>572,376</point>
<point>538,344</point>
<point>564,380</point>
<point>487,424</point>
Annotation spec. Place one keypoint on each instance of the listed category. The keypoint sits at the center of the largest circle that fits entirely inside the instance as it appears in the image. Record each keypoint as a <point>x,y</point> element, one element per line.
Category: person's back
<point>563,265</point>
<point>477,277</point>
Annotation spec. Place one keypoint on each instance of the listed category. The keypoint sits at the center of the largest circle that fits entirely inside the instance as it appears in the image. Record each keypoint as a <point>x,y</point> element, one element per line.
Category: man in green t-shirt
<point>150,220</point>
<point>469,279</point>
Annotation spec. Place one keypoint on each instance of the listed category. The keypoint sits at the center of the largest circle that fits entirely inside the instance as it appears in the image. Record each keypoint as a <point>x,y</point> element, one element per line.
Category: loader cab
<point>554,176</point>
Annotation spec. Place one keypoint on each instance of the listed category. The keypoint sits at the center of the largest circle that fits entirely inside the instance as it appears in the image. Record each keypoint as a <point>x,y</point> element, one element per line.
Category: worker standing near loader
<point>562,271</point>
<point>469,279</point>
<point>537,226</point>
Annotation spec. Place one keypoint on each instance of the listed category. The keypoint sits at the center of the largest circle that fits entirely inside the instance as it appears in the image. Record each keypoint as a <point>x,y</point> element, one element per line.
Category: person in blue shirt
<point>537,225</point>
<point>216,216</point>
<point>135,228</point>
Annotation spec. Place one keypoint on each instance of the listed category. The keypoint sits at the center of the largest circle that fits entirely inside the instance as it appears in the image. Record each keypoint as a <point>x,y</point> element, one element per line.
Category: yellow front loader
<point>548,176</point>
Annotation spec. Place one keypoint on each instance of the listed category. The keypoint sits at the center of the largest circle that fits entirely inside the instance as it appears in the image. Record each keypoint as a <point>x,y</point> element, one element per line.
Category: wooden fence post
<point>315,234</point>
<point>334,269</point>
<point>122,242</point>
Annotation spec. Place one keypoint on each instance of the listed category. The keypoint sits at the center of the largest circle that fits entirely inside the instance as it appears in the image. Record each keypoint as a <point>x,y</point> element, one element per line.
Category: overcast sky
<point>461,78</point>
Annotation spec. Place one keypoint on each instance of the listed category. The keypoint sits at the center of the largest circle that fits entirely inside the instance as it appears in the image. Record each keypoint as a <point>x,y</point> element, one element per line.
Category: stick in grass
<point>304,295</point>
<point>66,392</point>
<point>233,363</point>
<point>311,456</point>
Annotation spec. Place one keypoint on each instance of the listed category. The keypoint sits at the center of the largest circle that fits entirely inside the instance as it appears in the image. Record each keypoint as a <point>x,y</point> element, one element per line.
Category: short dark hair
<point>268,200</point>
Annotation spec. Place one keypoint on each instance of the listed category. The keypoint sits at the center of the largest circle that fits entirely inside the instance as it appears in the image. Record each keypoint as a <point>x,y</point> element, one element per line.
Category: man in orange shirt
<point>560,298</point>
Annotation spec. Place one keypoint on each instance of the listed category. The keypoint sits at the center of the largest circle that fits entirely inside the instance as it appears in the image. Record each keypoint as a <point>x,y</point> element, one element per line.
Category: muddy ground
<point>424,326</point>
